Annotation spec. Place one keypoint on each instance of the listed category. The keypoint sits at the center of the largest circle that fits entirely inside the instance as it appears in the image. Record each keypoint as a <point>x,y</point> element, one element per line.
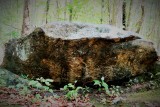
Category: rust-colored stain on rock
<point>78,59</point>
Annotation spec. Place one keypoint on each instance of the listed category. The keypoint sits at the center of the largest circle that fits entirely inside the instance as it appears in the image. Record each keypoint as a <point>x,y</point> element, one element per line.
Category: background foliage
<point>141,16</point>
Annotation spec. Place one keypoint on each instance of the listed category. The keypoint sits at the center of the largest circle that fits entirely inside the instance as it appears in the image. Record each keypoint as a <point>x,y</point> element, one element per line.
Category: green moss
<point>150,96</point>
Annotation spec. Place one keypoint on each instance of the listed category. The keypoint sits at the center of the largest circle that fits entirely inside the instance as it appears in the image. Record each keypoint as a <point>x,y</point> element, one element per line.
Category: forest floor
<point>150,98</point>
<point>133,94</point>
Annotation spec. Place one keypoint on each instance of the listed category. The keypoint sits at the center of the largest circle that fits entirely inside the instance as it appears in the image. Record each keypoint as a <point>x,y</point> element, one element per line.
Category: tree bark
<point>26,20</point>
<point>57,6</point>
<point>65,10</point>
<point>129,14</point>
<point>102,10</point>
<point>109,12</point>
<point>47,9</point>
<point>124,15</point>
<point>113,12</point>
<point>70,11</point>
<point>141,19</point>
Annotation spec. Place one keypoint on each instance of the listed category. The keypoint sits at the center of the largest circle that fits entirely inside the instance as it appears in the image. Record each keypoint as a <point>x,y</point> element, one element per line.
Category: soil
<point>138,95</point>
<point>149,98</point>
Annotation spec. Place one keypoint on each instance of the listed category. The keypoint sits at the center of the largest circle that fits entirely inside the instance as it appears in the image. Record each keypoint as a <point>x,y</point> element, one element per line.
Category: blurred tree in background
<point>20,17</point>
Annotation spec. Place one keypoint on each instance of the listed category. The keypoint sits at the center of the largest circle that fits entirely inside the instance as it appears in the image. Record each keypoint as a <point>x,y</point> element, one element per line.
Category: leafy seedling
<point>101,84</point>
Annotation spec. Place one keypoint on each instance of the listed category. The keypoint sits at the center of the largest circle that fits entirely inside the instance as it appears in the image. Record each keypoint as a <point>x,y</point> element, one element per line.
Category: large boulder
<point>84,52</point>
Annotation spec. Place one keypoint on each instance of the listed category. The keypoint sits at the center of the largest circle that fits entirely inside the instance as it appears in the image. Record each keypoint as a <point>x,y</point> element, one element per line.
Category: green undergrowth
<point>19,89</point>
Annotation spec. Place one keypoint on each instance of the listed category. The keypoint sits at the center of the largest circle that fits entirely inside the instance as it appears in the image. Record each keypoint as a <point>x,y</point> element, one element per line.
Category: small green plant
<point>72,91</point>
<point>86,90</point>
<point>135,80</point>
<point>116,90</point>
<point>37,98</point>
<point>102,84</point>
<point>37,84</point>
<point>24,76</point>
<point>25,86</point>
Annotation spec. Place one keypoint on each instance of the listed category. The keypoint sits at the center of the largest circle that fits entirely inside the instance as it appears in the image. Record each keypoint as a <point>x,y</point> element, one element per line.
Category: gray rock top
<point>67,30</point>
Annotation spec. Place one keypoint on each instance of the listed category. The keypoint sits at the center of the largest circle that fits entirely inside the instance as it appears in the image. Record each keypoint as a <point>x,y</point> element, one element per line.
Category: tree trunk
<point>141,19</point>
<point>57,5</point>
<point>70,11</point>
<point>124,15</point>
<point>65,10</point>
<point>102,11</point>
<point>129,14</point>
<point>113,12</point>
<point>26,20</point>
<point>109,17</point>
<point>47,9</point>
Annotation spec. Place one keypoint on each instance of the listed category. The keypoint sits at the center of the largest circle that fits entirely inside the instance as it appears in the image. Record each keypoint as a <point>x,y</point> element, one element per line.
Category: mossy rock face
<point>83,59</point>
<point>8,78</point>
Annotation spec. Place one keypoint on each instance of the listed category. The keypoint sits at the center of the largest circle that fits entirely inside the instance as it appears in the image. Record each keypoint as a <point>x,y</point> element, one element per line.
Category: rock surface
<point>70,58</point>
<point>2,48</point>
<point>8,78</point>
